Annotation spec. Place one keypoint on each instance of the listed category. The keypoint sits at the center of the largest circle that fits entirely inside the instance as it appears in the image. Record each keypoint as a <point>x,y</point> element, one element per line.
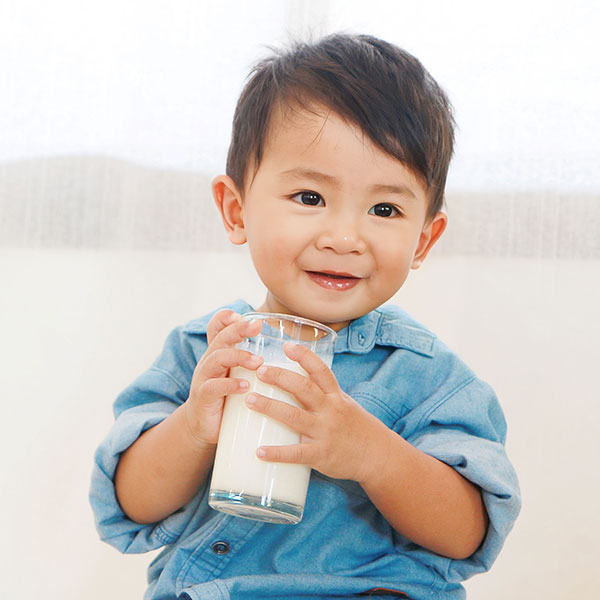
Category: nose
<point>342,240</point>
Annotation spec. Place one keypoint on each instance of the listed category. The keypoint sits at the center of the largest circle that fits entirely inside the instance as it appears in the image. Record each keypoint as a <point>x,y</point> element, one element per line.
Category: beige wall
<point>79,324</point>
<point>103,202</point>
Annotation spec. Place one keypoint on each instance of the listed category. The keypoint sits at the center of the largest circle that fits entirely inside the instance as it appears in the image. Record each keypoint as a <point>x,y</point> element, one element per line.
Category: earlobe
<point>228,199</point>
<point>429,236</point>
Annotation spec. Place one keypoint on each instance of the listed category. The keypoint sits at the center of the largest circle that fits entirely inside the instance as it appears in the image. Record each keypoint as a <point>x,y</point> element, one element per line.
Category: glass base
<point>255,507</point>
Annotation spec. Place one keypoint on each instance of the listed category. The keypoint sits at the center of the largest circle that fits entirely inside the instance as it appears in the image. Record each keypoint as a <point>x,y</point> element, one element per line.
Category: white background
<point>156,81</point>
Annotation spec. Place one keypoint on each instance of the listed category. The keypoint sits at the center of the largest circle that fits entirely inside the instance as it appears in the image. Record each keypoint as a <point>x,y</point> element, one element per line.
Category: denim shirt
<point>343,547</point>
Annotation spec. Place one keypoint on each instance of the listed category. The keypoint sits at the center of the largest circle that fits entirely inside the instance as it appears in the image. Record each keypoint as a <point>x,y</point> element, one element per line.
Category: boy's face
<point>332,222</point>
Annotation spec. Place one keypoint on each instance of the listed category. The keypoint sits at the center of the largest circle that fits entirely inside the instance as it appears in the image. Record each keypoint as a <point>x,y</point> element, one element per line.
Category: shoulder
<point>419,362</point>
<point>170,374</point>
<point>429,382</point>
<point>397,328</point>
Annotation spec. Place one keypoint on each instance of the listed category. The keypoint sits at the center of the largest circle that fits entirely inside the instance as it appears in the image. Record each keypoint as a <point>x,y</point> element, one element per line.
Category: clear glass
<point>242,484</point>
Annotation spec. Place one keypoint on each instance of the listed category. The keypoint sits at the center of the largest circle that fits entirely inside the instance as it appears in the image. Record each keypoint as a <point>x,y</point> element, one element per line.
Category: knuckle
<point>219,387</point>
<point>214,360</point>
<point>292,415</point>
<point>209,386</point>
<point>300,455</point>
<point>306,385</point>
<point>264,403</point>
<point>322,368</point>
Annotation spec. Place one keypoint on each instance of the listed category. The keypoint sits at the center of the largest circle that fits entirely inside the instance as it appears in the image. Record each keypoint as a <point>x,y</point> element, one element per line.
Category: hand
<point>210,383</point>
<point>337,434</point>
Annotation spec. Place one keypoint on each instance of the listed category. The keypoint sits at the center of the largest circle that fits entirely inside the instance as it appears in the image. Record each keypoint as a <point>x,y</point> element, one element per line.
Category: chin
<point>329,311</point>
<point>330,318</point>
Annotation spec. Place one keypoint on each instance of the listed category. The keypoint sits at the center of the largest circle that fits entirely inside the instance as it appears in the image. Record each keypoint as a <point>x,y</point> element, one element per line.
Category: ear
<point>429,236</point>
<point>228,199</point>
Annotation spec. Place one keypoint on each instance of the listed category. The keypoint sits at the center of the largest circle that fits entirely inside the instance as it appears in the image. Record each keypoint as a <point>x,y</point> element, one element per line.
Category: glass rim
<point>295,319</point>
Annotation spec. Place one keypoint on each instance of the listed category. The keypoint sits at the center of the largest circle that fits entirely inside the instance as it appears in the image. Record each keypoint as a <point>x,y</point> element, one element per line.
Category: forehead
<point>314,137</point>
<point>304,126</point>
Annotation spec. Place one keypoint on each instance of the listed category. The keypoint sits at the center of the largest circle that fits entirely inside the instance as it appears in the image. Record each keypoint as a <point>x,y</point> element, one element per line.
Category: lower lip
<point>333,283</point>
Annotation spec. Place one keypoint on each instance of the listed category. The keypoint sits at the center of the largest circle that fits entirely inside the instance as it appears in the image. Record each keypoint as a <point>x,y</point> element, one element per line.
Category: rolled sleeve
<point>150,399</point>
<point>467,431</point>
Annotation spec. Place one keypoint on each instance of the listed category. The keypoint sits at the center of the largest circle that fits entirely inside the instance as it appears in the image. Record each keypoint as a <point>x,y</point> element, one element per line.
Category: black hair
<point>371,83</point>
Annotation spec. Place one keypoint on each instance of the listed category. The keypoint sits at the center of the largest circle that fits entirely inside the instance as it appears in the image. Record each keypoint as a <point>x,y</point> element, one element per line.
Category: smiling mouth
<point>334,281</point>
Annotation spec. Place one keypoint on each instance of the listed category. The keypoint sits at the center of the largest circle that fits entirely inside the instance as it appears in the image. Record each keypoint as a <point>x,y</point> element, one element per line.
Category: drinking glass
<point>242,484</point>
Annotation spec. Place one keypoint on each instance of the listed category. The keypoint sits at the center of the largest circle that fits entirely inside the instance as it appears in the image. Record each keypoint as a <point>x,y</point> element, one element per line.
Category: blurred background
<point>114,117</point>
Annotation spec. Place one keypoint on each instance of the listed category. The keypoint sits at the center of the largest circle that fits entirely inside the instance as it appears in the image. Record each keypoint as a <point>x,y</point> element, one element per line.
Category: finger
<point>315,368</point>
<point>219,387</point>
<point>304,390</point>
<point>236,332</point>
<point>218,363</point>
<point>298,454</point>
<point>292,416</point>
<point>219,321</point>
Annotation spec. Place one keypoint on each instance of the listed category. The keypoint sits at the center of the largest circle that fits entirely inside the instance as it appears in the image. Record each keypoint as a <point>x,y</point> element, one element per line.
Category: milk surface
<point>237,468</point>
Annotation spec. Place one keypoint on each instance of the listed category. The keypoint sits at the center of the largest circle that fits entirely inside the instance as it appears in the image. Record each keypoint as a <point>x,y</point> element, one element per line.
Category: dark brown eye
<point>384,210</point>
<point>309,199</point>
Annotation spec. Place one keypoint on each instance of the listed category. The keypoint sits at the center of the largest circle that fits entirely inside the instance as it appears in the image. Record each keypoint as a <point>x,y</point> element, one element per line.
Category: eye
<point>385,210</point>
<point>309,199</point>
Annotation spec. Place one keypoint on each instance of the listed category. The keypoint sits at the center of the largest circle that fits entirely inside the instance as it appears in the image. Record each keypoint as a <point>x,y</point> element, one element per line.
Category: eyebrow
<point>400,190</point>
<point>317,176</point>
<point>377,188</point>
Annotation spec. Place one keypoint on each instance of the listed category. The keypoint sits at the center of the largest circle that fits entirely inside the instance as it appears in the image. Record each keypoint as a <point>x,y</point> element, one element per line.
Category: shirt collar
<point>387,326</point>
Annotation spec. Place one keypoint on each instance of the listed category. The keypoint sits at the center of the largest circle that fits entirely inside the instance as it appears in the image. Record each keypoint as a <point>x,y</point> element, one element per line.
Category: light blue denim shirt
<point>343,547</point>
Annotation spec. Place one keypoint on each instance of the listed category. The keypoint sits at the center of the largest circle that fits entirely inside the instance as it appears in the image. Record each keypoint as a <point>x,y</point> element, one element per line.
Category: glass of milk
<point>242,484</point>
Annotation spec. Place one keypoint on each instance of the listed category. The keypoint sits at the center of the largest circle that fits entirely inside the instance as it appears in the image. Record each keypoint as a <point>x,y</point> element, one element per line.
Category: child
<point>335,179</point>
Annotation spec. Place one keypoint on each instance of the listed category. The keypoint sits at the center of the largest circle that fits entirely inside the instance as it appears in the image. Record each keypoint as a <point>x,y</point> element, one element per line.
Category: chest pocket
<point>381,402</point>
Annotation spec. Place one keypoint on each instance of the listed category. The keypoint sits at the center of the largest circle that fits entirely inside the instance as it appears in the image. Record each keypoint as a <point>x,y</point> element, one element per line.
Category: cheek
<point>271,253</point>
<point>277,239</point>
<point>394,267</point>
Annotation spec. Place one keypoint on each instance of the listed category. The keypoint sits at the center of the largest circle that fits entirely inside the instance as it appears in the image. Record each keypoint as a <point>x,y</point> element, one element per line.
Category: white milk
<point>237,469</point>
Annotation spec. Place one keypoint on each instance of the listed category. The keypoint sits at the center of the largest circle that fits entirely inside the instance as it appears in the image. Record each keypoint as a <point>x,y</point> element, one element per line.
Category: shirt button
<point>361,339</point>
<point>220,547</point>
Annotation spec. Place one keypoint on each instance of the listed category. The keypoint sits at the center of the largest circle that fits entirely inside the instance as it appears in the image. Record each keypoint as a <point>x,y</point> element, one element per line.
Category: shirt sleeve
<point>152,397</point>
<point>467,431</point>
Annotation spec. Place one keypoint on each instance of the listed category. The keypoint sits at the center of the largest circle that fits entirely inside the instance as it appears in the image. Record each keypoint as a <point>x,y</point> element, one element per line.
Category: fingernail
<point>262,371</point>
<point>255,360</point>
<point>250,399</point>
<point>261,452</point>
<point>244,385</point>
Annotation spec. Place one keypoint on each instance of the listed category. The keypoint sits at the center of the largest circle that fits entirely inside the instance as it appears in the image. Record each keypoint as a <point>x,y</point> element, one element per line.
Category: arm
<point>164,468</point>
<point>424,499</point>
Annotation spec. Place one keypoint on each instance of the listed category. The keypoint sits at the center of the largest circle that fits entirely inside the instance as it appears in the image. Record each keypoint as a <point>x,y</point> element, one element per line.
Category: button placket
<point>203,563</point>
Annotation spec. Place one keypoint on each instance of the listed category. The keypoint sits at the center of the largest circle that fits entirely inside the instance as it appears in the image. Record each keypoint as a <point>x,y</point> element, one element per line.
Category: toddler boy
<point>335,179</point>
